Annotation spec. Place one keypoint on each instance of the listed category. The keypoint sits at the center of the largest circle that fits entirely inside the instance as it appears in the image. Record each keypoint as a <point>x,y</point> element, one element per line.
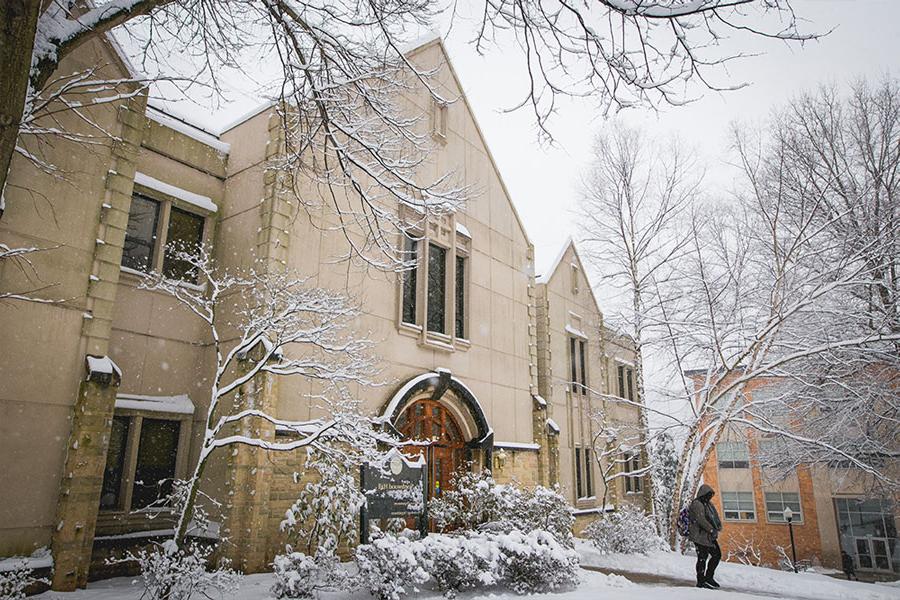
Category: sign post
<point>393,489</point>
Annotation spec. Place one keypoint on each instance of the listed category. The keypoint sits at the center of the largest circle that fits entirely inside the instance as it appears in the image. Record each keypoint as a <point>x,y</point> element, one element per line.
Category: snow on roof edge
<point>545,277</point>
<point>185,127</point>
<point>180,404</point>
<point>198,200</point>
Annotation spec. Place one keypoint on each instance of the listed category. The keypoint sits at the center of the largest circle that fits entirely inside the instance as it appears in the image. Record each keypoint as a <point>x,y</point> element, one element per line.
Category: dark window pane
<point>578,490</point>
<point>110,497</point>
<point>140,236</point>
<point>589,484</point>
<point>630,374</point>
<point>621,374</point>
<point>573,364</point>
<point>185,234</point>
<point>582,366</point>
<point>155,469</point>
<point>409,281</point>
<point>437,286</point>
<point>460,297</point>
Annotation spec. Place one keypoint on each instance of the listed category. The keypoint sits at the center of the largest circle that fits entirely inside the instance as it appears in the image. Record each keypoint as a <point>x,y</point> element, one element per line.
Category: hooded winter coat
<point>705,523</point>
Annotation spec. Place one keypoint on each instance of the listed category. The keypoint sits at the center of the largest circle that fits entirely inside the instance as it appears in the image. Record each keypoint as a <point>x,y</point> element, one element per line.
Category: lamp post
<point>789,517</point>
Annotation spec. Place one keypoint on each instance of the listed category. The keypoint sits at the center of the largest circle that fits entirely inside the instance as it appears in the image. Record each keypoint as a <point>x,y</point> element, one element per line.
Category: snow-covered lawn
<point>739,583</point>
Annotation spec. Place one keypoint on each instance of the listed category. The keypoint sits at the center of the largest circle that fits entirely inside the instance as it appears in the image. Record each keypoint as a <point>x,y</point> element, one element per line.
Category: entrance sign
<point>393,490</point>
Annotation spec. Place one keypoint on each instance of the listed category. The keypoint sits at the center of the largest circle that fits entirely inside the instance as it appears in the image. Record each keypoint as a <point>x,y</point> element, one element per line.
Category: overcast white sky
<point>543,180</point>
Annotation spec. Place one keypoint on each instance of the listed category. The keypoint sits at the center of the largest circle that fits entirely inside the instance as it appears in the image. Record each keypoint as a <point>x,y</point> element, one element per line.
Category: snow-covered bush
<point>478,503</point>
<point>460,562</point>
<point>14,583</point>
<point>389,567</point>
<point>536,562</point>
<point>170,573</point>
<point>524,562</point>
<point>628,530</point>
<point>296,575</point>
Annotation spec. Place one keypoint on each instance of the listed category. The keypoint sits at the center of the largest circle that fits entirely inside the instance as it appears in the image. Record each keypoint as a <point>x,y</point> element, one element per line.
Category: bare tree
<point>633,200</point>
<point>262,325</point>
<point>343,61</point>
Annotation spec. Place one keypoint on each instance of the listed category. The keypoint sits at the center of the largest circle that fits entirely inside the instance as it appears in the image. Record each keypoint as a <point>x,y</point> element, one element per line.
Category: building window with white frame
<point>733,455</point>
<point>738,506</point>
<point>631,463</point>
<point>776,502</point>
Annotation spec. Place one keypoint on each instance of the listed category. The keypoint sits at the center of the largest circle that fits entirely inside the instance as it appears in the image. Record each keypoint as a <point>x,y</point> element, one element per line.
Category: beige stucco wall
<point>43,344</point>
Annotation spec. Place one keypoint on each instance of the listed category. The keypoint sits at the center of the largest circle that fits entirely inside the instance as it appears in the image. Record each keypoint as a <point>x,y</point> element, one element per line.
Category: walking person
<point>704,529</point>
<point>847,566</point>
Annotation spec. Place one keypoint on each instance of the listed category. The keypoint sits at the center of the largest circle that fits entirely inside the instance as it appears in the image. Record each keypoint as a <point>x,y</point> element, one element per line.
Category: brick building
<point>834,508</point>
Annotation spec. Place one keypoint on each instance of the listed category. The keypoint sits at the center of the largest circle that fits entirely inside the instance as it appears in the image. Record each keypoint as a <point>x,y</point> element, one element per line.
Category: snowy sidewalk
<point>668,570</point>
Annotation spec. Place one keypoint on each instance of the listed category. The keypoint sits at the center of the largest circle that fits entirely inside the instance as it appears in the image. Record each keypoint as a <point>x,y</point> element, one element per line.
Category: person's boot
<point>712,582</point>
<point>702,582</point>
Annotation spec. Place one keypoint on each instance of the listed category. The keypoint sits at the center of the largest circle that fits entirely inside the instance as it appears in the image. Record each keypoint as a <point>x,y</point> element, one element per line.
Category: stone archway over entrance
<point>439,408</point>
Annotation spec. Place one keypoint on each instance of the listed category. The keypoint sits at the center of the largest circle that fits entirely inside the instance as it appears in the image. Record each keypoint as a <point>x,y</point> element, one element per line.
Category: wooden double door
<point>429,421</point>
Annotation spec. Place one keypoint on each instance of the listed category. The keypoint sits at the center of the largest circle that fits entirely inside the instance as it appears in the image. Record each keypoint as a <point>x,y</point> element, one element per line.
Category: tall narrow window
<point>621,380</point>
<point>572,362</point>
<point>461,297</point>
<point>185,234</point>
<point>634,484</point>
<point>579,491</point>
<point>411,250</point>
<point>110,495</point>
<point>582,353</point>
<point>140,235</point>
<point>437,287</point>
<point>588,473</point>
<point>155,468</point>
<point>629,374</point>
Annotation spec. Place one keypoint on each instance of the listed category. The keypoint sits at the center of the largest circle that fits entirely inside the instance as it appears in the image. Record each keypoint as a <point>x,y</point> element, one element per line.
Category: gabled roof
<point>545,278</point>
<point>409,50</point>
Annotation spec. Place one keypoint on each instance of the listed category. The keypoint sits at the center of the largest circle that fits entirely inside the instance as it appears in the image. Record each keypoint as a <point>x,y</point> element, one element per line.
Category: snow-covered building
<point>105,385</point>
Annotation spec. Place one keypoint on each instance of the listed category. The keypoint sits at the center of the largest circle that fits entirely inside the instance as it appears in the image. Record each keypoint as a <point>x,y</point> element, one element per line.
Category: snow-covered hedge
<point>478,503</point>
<point>628,530</point>
<point>393,566</point>
<point>13,583</point>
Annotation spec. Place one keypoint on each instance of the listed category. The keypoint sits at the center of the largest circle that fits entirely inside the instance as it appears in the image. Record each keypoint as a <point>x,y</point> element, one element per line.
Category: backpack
<point>684,521</point>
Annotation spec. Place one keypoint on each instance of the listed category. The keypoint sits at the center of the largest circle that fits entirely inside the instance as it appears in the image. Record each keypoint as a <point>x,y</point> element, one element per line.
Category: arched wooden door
<point>427,420</point>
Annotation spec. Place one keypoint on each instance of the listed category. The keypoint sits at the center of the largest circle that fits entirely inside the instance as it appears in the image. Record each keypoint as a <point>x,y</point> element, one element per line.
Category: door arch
<point>427,420</point>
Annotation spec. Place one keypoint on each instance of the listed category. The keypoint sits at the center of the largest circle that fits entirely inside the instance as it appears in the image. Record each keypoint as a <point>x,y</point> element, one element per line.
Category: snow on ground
<point>758,580</point>
<point>594,586</point>
<point>739,582</point>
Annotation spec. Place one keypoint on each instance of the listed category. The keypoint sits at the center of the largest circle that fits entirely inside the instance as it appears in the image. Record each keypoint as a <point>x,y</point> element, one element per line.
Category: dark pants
<point>706,570</point>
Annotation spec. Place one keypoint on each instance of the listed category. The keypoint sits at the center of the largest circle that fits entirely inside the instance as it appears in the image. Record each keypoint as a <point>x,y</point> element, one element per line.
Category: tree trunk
<point>18,26</point>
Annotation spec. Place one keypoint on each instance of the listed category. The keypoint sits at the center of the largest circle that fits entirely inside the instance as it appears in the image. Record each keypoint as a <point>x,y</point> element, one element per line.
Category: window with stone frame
<point>437,288</point>
<point>733,455</point>
<point>410,281</point>
<point>578,365</point>
<point>738,506</point>
<point>631,463</point>
<point>156,228</point>
<point>433,294</point>
<point>776,502</point>
<point>460,291</point>
<point>625,381</point>
<point>144,457</point>
<point>586,472</point>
